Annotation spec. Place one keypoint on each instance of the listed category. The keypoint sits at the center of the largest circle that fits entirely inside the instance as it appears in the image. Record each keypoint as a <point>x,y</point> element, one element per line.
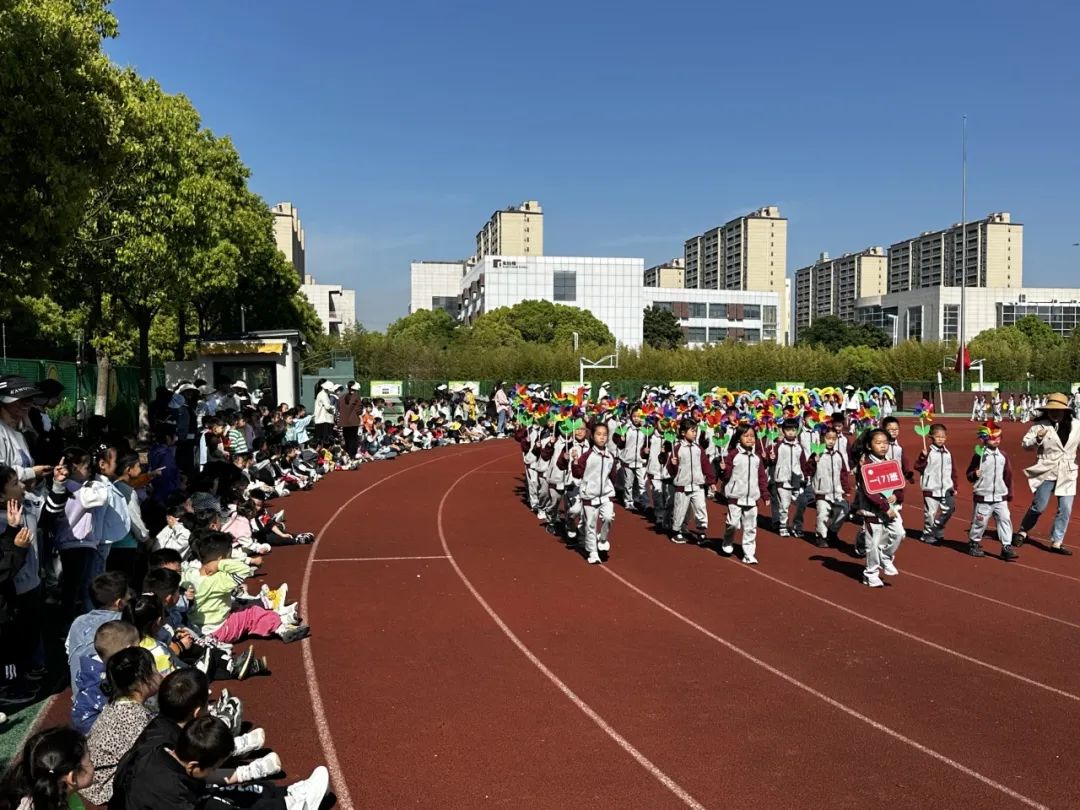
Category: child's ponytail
<point>47,758</point>
<point>126,671</point>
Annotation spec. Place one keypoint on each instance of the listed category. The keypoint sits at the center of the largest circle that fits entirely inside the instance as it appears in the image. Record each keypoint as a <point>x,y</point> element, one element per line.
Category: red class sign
<point>882,476</point>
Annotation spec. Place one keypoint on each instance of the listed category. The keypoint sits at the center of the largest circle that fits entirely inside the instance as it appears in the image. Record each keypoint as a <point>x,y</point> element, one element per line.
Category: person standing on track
<point>745,483</point>
<point>1055,437</point>
<point>992,478</point>
<point>324,413</point>
<point>630,442</point>
<point>349,418</point>
<point>881,516</point>
<point>596,471</point>
<point>692,476</point>
<point>938,473</point>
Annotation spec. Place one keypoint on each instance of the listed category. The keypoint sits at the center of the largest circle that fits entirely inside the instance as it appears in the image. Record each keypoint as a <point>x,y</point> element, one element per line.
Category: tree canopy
<point>834,334</point>
<point>660,329</point>
<point>543,322</point>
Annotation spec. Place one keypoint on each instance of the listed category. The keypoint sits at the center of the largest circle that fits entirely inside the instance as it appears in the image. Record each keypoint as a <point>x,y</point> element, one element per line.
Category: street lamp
<point>894,319</point>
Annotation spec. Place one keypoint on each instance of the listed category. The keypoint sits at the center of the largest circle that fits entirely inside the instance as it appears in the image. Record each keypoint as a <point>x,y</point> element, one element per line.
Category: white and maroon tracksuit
<point>569,452</point>
<point>938,481</point>
<point>659,478</point>
<point>691,476</point>
<point>745,483</point>
<point>596,471</point>
<point>787,480</point>
<point>830,480</point>
<point>630,446</point>
<point>992,492</point>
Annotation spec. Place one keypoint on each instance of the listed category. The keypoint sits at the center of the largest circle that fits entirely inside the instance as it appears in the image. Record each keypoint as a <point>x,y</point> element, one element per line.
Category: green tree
<point>1006,352</point>
<point>834,334</point>
<point>430,327</point>
<point>866,334</point>
<point>661,329</point>
<point>543,322</point>
<point>60,102</point>
<point>1040,335</point>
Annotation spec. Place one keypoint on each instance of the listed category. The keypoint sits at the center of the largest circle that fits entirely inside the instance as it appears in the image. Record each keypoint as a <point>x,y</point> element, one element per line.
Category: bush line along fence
<point>122,401</point>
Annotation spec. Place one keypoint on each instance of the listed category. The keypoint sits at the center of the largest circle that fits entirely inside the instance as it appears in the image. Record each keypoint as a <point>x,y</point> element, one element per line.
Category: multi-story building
<point>831,286</point>
<point>335,305</point>
<point>517,230</point>
<point>713,316</point>
<point>670,274</point>
<point>289,234</point>
<point>748,253</point>
<point>436,285</point>
<point>933,313</point>
<point>994,256</point>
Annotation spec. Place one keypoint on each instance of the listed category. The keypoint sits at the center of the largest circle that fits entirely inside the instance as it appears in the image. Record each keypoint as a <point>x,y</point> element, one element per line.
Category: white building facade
<point>335,305</point>
<point>436,285</point>
<point>933,313</point>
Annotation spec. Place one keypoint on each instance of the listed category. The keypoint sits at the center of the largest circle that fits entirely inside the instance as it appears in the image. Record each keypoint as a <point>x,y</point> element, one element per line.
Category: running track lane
<point>703,692</point>
<point>425,703</point>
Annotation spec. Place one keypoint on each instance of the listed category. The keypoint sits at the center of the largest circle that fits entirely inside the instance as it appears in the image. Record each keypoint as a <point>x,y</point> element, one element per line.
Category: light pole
<point>963,255</point>
<point>894,319</point>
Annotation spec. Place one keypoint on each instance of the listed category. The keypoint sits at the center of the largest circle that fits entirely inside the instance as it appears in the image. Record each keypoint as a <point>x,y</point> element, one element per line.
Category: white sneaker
<point>727,547</point>
<point>594,559</point>
<point>259,768</point>
<point>749,559</point>
<point>288,614</point>
<point>873,581</point>
<point>603,545</point>
<point>308,794</point>
<point>246,743</point>
<point>889,569</point>
<point>540,514</point>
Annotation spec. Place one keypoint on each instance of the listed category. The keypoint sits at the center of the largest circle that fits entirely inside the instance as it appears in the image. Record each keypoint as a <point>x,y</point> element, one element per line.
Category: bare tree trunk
<point>101,395</point>
<point>143,320</point>
<point>181,328</point>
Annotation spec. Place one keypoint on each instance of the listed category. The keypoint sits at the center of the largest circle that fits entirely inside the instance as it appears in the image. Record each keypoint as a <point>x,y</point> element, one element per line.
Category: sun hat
<point>328,386</point>
<point>1055,402</point>
<point>185,387</point>
<point>240,384</point>
<point>14,388</point>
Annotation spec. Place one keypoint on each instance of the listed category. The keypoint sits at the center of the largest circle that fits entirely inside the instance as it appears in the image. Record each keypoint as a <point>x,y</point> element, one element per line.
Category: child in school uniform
<point>565,493</point>
<point>991,477</point>
<point>787,474</point>
<point>745,483</point>
<point>661,489</point>
<point>938,472</point>
<point>596,471</point>
<point>830,482</point>
<point>808,495</point>
<point>692,475</point>
<point>881,516</point>
<point>630,442</point>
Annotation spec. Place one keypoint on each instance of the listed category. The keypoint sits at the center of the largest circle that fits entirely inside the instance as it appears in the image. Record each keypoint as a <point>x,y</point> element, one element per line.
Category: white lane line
<point>326,740</point>
<point>896,735</point>
<point>985,598</point>
<point>377,559</point>
<point>585,708</point>
<point>905,634</point>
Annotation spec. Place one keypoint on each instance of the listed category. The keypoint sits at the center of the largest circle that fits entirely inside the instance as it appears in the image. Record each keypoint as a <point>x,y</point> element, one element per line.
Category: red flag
<point>963,359</point>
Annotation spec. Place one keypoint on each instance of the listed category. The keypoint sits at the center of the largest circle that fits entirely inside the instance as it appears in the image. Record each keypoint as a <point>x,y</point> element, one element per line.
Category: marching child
<point>935,466</point>
<point>787,475</point>
<point>830,482</point>
<point>595,472</point>
<point>692,475</point>
<point>660,481</point>
<point>631,442</point>
<point>881,515</point>
<point>991,476</point>
<point>745,483</point>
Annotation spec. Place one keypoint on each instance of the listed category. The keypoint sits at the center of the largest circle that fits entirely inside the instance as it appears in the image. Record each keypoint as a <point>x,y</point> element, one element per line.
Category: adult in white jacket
<point>1055,436</point>
<point>324,413</point>
<point>16,396</point>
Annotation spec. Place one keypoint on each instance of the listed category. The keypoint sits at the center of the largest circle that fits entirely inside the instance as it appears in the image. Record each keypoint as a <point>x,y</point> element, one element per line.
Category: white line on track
<point>911,636</point>
<point>896,735</point>
<point>377,559</point>
<point>985,598</point>
<point>326,740</point>
<point>589,712</point>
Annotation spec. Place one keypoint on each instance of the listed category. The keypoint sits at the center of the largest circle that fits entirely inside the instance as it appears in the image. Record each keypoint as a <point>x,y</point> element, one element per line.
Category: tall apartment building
<point>994,256</point>
<point>831,286</point>
<point>289,234</point>
<point>517,230</point>
<point>670,274</point>
<point>747,253</point>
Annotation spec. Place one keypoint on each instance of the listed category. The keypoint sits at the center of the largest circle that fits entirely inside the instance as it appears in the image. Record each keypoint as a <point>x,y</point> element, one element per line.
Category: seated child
<point>108,593</point>
<point>53,767</point>
<point>176,535</point>
<point>86,691</point>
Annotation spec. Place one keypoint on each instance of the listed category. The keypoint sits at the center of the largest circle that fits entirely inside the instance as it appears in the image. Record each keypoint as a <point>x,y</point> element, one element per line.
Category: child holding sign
<point>880,510</point>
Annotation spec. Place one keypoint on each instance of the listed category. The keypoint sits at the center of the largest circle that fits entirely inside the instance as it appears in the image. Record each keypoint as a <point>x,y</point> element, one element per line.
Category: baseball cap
<point>14,388</point>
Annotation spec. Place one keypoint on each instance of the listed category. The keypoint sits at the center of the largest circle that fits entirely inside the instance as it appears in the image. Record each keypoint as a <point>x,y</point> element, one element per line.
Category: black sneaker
<point>797,532</point>
<point>821,542</point>
<point>1064,552</point>
<point>1018,539</point>
<point>929,539</point>
<point>975,551</point>
<point>36,674</point>
<point>678,538</point>
<point>1008,553</point>
<point>242,663</point>
<point>14,695</point>
<point>294,633</point>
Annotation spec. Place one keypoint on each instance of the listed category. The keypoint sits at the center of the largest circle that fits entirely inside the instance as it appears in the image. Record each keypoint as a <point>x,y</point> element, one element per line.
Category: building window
<point>752,312</point>
<point>565,285</point>
<point>914,323</point>
<point>717,310</point>
<point>667,306</point>
<point>698,310</point>
<point>717,334</point>
<point>694,334</point>
<point>447,303</point>
<point>950,323</point>
<point>768,315</point>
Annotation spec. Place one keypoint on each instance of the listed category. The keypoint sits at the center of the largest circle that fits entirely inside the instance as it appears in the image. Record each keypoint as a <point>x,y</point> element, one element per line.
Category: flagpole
<point>963,256</point>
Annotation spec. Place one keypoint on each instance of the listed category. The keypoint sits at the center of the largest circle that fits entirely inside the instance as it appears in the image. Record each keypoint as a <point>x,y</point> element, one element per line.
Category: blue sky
<point>397,128</point>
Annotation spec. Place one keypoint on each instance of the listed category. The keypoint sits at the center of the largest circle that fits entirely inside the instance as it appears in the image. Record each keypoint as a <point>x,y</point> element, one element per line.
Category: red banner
<point>882,476</point>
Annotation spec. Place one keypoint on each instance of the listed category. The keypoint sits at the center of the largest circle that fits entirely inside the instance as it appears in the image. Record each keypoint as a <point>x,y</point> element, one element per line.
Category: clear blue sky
<point>397,128</point>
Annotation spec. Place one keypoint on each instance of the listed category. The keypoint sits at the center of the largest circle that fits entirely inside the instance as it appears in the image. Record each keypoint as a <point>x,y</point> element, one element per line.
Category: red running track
<point>461,657</point>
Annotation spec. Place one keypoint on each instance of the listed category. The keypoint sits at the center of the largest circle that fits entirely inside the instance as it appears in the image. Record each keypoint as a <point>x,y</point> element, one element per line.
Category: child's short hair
<point>108,588</point>
<point>126,462</point>
<point>214,546</point>
<point>126,670</point>
<point>182,694</point>
<point>177,498</point>
<point>145,611</point>
<point>161,557</point>
<point>162,583</point>
<point>687,424</point>
<point>889,420</point>
<point>937,427</point>
<point>206,741</point>
<point>114,636</point>
<point>830,429</point>
<point>210,421</point>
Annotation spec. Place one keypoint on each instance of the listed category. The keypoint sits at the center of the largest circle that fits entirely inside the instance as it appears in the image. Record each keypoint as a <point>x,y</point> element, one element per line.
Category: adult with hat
<point>17,395</point>
<point>324,412</point>
<point>1055,437</point>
